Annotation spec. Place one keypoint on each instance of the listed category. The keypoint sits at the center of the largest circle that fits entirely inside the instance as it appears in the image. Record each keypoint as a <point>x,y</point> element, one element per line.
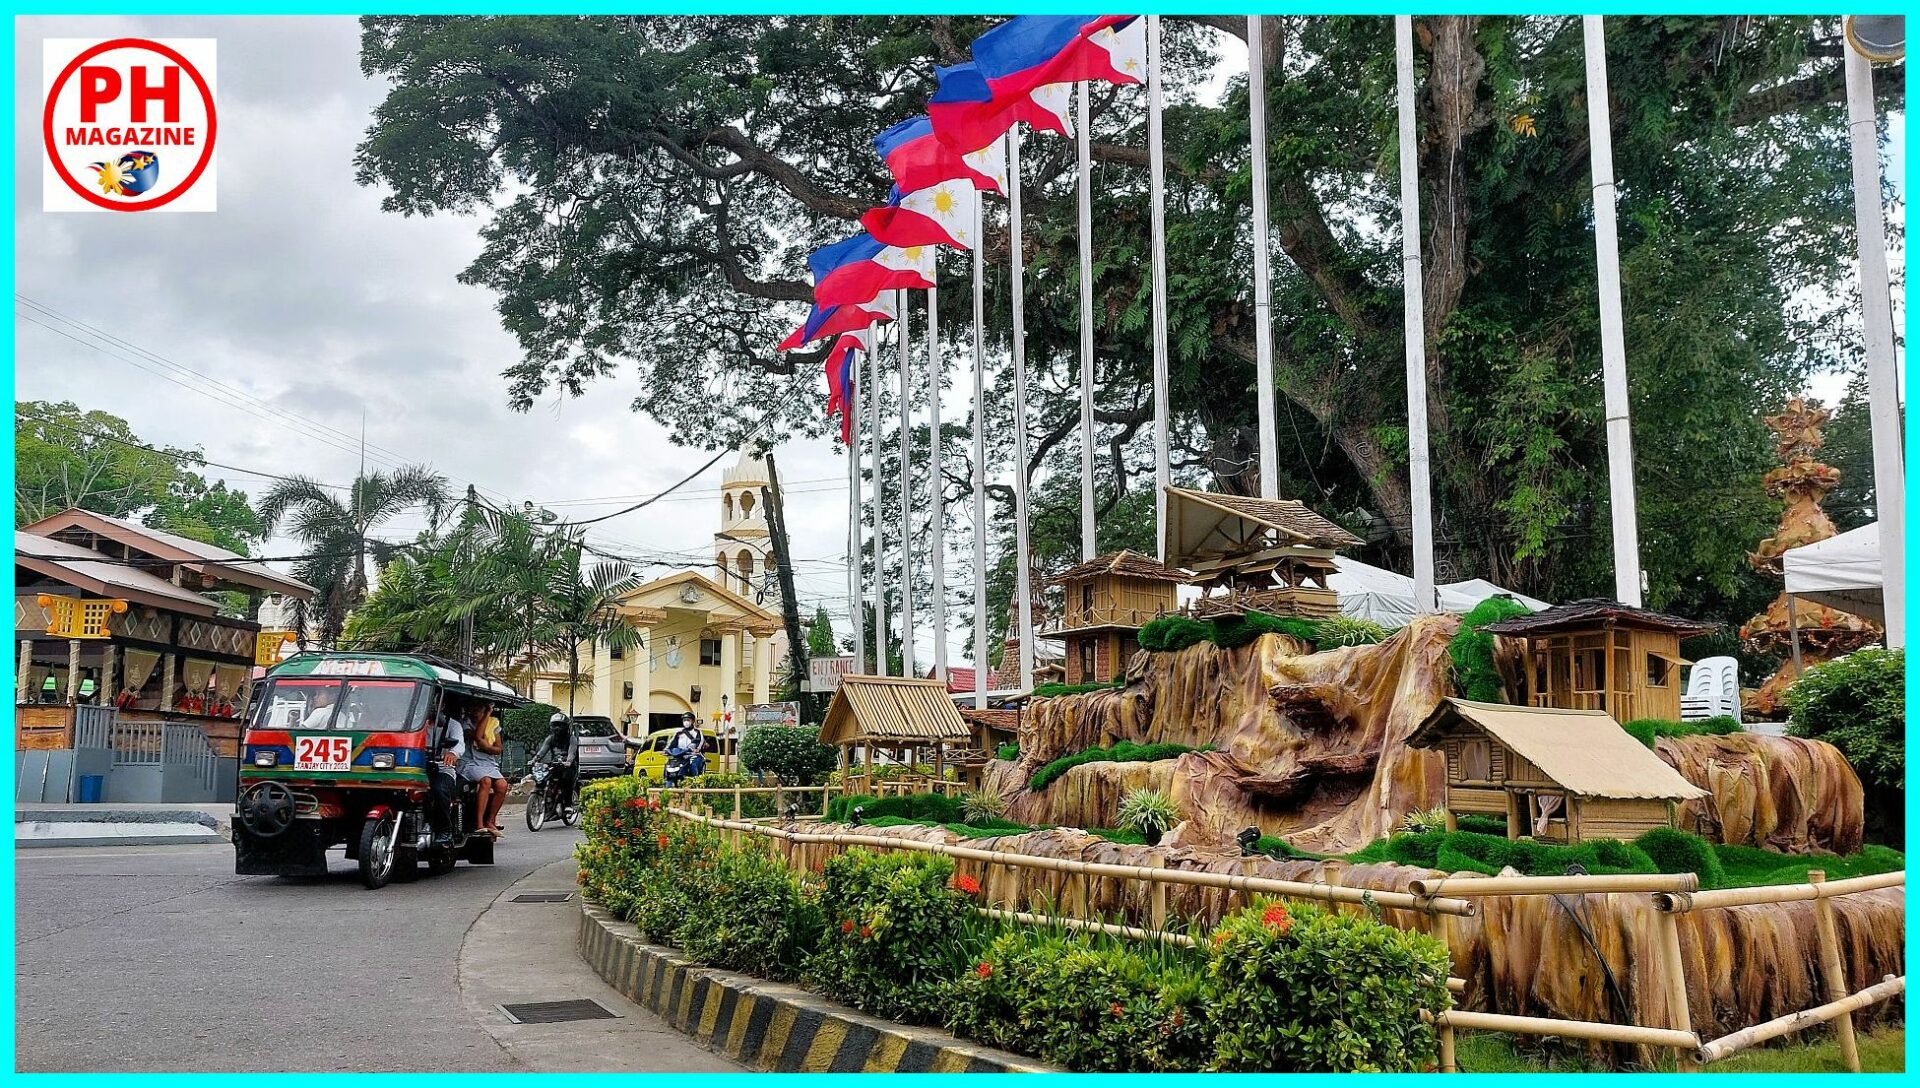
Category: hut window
<point>1474,763</point>
<point>1086,661</point>
<point>1086,596</point>
<point>1659,671</point>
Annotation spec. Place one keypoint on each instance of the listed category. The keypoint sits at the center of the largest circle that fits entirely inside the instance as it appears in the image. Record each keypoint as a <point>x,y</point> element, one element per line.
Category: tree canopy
<point>651,185</point>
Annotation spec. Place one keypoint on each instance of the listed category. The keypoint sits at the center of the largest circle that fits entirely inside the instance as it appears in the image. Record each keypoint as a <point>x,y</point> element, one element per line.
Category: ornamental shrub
<point>1348,631</point>
<point>983,808</point>
<point>1474,675</point>
<point>1147,812</point>
<point>1123,752</point>
<point>756,917</point>
<point>1230,632</point>
<point>1008,752</point>
<point>528,724</point>
<point>752,805</point>
<point>1675,851</point>
<point>1295,988</point>
<point>1858,705</point>
<point>1173,633</point>
<point>932,807</point>
<point>791,753</point>
<point>896,934</point>
<point>1084,1002</point>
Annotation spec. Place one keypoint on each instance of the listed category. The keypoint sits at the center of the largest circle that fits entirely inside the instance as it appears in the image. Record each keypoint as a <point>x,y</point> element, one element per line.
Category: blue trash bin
<point>90,788</point>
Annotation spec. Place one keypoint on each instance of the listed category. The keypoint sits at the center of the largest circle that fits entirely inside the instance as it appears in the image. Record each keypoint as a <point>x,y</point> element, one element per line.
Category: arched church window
<point>746,504</point>
<point>726,506</point>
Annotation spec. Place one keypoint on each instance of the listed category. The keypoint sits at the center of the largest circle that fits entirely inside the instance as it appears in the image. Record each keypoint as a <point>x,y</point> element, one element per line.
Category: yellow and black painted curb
<point>770,1026</point>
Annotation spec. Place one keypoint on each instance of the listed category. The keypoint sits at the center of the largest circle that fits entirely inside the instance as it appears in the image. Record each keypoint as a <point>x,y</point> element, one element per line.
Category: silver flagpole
<point>905,343</point>
<point>1613,352</point>
<point>1889,474</point>
<point>979,461</point>
<point>1089,544</point>
<point>1262,282</point>
<point>879,516</point>
<point>1023,589</point>
<point>856,584</point>
<point>1416,324</point>
<point>937,499</point>
<point>1162,454</point>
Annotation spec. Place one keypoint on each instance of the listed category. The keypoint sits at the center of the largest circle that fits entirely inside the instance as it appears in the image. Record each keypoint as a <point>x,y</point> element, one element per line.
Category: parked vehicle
<point>549,801</point>
<point>651,759</point>
<point>602,755</point>
<point>339,750</point>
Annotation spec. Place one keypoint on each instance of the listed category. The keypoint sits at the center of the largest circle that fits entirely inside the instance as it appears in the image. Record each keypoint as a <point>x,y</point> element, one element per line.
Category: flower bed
<point>900,935</point>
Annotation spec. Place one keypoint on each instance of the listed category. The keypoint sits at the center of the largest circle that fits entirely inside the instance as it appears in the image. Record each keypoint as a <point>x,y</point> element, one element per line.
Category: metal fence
<point>192,769</point>
<point>93,726</point>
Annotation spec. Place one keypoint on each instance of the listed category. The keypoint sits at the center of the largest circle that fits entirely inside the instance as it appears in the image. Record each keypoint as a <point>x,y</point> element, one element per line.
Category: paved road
<point>159,958</point>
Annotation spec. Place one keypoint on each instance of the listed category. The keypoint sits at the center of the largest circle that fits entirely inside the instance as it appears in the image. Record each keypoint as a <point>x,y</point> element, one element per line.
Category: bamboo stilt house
<point>1598,654</point>
<point>909,719</point>
<point>1107,600</point>
<point>1266,555</point>
<point>1553,775</point>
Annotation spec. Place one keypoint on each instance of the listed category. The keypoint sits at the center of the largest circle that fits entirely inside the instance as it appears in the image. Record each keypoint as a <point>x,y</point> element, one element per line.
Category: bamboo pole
<point>1777,893</point>
<point>1109,928</point>
<point>1570,1029</point>
<point>1673,975</point>
<point>1834,971</point>
<point>1232,882</point>
<point>1447,1062</point>
<point>1727,1045</point>
<point>1555,885</point>
<point>1157,912</point>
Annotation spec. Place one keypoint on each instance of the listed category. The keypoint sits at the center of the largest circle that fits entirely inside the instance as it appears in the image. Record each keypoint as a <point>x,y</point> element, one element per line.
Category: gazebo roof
<point>892,710</point>
<point>1207,525</point>
<point>1585,751</point>
<point>1592,612</point>
<point>1122,564</point>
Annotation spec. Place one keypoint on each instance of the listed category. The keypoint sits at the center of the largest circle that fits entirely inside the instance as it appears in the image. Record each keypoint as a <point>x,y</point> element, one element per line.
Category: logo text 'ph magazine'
<point>129,125</point>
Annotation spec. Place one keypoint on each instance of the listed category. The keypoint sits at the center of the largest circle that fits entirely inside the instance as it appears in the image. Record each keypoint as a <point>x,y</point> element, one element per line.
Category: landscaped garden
<point>901,936</point>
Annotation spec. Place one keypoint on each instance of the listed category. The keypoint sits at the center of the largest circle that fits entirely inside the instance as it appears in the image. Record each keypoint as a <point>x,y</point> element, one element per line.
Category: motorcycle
<point>547,802</point>
<point>682,764</point>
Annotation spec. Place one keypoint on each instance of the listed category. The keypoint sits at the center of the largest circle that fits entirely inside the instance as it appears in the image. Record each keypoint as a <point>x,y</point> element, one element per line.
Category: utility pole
<point>783,569</point>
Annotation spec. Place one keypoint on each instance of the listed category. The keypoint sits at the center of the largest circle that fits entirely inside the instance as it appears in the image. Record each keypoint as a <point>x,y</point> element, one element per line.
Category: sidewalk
<point>528,952</point>
<point>121,824</point>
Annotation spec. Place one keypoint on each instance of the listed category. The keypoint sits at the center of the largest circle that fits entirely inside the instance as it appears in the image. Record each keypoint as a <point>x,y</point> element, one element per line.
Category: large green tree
<point>65,456</point>
<point>652,185</point>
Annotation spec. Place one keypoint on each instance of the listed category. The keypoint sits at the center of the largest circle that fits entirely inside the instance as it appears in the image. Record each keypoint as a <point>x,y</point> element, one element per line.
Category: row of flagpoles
<point>969,143</point>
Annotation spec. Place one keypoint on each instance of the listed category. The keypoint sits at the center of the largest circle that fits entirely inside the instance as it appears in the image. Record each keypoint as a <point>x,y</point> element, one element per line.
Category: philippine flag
<point>1028,51</point>
<point>940,216</point>
<point>966,114</point>
<point>827,321</point>
<point>918,160</point>
<point>843,379</point>
<point>859,268</point>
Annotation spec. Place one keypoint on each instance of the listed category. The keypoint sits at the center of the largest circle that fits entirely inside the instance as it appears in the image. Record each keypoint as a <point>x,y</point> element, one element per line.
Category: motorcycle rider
<point>689,741</point>
<point>561,751</point>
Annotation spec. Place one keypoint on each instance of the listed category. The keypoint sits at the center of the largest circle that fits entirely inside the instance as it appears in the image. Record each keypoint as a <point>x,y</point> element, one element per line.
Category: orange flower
<point>663,842</point>
<point>966,884</point>
<point>985,970</point>
<point>846,925</point>
<point>866,932</point>
<point>1118,1009</point>
<point>1179,1018</point>
<point>1219,937</point>
<point>1276,919</point>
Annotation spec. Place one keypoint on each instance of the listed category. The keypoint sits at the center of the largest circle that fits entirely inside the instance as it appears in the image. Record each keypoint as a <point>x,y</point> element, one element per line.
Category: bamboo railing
<point>1440,898</point>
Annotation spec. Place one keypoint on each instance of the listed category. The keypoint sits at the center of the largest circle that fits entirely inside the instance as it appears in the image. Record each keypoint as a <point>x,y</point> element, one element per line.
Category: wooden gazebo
<point>910,717</point>
<point>1268,555</point>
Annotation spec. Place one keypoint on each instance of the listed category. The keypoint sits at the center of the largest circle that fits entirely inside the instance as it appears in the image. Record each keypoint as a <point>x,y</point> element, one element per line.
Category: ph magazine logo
<point>129,125</point>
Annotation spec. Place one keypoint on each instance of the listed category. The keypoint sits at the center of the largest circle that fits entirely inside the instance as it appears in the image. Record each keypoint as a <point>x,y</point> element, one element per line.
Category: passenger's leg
<point>499,802</point>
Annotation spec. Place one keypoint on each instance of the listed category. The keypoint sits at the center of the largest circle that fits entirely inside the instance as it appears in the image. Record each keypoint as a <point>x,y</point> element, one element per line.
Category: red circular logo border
<point>53,95</point>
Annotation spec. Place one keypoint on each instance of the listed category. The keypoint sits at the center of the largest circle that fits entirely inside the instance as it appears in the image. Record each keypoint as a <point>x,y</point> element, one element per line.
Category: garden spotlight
<point>859,815</point>
<point>1247,838</point>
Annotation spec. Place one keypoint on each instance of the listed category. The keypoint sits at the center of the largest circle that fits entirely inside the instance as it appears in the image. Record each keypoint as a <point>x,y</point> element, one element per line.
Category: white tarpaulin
<point>1840,572</point>
<point>1386,598</point>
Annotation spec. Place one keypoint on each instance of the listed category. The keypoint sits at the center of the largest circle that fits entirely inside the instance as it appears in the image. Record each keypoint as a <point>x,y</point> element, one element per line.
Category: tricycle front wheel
<point>376,852</point>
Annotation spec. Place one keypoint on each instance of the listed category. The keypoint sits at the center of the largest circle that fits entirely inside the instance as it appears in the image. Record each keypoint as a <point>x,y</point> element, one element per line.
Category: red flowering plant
<point>1269,975</point>
<point>899,941</point>
<point>621,824</point>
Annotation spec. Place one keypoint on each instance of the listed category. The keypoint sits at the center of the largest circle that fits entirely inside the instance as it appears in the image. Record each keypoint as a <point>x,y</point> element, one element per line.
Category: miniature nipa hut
<point>1556,775</point>
<point>912,718</point>
<point>1598,654</point>
<point>1107,600</point>
<point>1268,555</point>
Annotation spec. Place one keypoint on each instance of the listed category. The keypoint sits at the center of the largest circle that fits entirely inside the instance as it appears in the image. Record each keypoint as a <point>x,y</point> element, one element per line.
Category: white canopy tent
<point>1840,572</point>
<point>1368,592</point>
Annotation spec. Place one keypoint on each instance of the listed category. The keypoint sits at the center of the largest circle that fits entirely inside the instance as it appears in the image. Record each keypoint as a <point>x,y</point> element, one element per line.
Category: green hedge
<point>1051,691</point>
<point>1470,851</point>
<point>1471,652</point>
<point>935,807</point>
<point>528,723</point>
<point>896,935</point>
<point>1008,752</point>
<point>1645,730</point>
<point>1123,752</point>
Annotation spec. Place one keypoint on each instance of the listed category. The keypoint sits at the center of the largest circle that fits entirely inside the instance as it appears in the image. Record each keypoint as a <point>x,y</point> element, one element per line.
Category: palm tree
<point>340,533</point>
<point>581,608</point>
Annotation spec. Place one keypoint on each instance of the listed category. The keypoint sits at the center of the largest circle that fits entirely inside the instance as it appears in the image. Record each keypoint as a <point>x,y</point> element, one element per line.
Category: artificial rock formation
<point>1312,746</point>
<point>1823,633</point>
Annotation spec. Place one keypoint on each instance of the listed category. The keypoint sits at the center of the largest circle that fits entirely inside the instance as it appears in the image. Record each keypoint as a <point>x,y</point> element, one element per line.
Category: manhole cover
<point>557,1012</point>
<point>542,897</point>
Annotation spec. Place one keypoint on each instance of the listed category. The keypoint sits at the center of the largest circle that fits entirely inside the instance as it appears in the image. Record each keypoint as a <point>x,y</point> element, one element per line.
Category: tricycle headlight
<point>383,761</point>
<point>264,759</point>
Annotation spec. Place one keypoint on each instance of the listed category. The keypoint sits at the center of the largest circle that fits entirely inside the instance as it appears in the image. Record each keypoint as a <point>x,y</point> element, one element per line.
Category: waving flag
<point>861,267</point>
<point>827,321</point>
<point>966,114</point>
<point>918,160</point>
<point>1028,51</point>
<point>940,216</point>
<point>843,377</point>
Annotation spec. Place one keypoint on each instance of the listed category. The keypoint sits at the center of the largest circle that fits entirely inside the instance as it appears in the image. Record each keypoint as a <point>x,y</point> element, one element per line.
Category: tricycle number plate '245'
<point>322,753</point>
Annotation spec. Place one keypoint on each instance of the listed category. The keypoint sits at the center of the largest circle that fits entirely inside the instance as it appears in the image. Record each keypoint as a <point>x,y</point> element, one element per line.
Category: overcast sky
<point>300,293</point>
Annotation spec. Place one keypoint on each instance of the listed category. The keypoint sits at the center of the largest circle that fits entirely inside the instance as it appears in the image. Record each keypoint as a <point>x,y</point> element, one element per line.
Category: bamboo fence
<point>1439,898</point>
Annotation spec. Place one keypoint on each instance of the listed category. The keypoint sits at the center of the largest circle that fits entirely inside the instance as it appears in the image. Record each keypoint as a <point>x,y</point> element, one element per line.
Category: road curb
<point>769,1026</point>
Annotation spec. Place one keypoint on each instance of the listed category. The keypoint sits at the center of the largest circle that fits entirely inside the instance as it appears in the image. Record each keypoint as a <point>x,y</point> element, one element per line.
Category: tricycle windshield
<point>386,706</point>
